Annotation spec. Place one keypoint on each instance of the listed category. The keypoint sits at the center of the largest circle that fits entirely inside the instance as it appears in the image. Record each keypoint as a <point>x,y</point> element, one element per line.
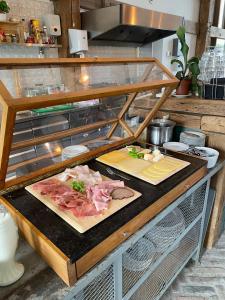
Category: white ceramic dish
<point>72,151</point>
<point>193,138</point>
<point>181,96</point>
<point>175,146</point>
<point>212,159</point>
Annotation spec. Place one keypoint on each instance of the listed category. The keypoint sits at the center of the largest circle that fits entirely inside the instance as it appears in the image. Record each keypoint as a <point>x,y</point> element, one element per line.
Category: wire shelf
<point>158,280</point>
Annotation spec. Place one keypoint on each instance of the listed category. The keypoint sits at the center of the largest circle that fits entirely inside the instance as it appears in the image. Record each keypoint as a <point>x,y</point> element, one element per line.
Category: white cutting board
<point>83,224</point>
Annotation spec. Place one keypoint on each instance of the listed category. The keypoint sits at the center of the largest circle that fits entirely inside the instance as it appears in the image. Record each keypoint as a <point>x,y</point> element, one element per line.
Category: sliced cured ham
<point>66,198</point>
<point>111,184</point>
<point>100,194</point>
<point>81,173</point>
<point>96,198</point>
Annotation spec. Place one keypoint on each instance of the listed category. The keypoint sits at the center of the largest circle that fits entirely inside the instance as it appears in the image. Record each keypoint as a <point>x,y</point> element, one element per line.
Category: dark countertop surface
<point>74,244</point>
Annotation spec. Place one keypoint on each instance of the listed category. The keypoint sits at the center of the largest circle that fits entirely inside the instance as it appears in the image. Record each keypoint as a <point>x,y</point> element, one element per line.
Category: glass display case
<point>48,105</point>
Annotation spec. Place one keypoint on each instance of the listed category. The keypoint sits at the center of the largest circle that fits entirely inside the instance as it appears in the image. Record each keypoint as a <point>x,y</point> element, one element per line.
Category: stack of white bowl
<point>193,138</point>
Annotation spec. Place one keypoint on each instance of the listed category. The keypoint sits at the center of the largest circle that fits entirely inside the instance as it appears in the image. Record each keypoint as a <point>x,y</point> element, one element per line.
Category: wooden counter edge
<point>56,259</point>
<point>100,251</point>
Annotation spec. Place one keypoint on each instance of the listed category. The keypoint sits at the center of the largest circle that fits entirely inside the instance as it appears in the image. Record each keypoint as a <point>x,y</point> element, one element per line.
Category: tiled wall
<point>111,51</point>
<point>28,9</point>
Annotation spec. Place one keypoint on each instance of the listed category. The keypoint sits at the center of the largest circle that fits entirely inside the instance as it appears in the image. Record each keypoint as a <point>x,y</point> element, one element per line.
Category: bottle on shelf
<point>45,38</point>
<point>26,30</point>
<point>35,29</point>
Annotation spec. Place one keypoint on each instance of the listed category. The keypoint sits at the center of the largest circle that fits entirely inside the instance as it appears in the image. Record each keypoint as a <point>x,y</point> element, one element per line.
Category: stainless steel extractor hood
<point>129,24</point>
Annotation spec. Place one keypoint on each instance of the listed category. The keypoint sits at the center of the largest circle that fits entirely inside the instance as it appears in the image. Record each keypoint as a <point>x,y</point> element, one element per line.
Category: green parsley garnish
<point>78,186</point>
<point>141,155</point>
<point>134,153</point>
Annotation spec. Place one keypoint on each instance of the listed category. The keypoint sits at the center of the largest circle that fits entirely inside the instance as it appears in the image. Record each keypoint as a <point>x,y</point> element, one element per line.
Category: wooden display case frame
<point>11,106</point>
<point>60,263</point>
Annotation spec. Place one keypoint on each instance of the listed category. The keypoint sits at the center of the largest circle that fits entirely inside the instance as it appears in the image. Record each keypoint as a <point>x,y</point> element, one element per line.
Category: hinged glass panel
<point>60,112</point>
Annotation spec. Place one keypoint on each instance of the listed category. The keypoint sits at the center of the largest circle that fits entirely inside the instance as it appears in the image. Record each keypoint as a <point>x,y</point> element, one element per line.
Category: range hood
<point>128,24</point>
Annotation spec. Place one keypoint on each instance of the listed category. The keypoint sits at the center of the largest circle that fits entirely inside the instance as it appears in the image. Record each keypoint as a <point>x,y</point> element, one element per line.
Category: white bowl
<point>175,146</point>
<point>72,151</point>
<point>211,159</point>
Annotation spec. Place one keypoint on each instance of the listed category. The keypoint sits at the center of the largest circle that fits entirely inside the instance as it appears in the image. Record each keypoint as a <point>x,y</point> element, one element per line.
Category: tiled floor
<point>203,281</point>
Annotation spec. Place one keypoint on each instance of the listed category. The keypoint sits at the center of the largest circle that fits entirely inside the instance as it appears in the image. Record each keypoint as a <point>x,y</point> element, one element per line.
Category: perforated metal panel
<point>131,258</point>
<point>101,288</point>
<point>145,265</point>
<point>192,206</point>
<point>167,230</point>
<point>160,278</point>
<point>163,236</point>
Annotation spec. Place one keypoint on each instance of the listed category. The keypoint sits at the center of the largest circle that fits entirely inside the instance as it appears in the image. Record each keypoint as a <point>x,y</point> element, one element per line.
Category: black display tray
<point>74,244</point>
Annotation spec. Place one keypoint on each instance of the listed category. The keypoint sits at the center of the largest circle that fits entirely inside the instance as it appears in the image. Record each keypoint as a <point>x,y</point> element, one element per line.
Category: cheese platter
<point>154,169</point>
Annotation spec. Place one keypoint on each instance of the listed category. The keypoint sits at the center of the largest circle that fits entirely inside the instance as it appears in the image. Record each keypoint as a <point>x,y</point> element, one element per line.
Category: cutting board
<point>151,172</point>
<point>83,224</point>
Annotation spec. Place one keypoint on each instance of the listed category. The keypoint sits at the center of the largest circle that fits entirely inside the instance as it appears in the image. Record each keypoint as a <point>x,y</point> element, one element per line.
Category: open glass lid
<point>60,112</point>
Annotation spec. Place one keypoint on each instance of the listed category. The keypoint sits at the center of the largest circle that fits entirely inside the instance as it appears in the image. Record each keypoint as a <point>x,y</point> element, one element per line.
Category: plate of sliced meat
<point>81,197</point>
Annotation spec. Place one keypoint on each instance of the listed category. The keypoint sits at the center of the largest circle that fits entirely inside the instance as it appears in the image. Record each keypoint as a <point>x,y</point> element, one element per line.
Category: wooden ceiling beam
<point>69,12</point>
<point>215,31</point>
<point>206,15</point>
<point>91,4</point>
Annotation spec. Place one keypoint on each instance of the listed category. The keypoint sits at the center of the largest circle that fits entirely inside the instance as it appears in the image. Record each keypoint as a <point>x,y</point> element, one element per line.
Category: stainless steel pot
<point>160,131</point>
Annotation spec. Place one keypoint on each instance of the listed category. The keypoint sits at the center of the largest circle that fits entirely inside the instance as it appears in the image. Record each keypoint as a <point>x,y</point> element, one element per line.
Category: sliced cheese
<point>132,165</point>
<point>151,175</point>
<point>159,169</point>
<point>113,157</point>
<point>164,167</point>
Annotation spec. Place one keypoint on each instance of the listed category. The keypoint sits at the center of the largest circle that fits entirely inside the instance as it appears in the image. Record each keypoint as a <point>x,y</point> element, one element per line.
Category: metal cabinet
<point>144,266</point>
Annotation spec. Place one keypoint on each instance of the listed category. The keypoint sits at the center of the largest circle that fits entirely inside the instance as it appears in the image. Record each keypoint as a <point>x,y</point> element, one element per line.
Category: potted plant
<point>189,68</point>
<point>4,9</point>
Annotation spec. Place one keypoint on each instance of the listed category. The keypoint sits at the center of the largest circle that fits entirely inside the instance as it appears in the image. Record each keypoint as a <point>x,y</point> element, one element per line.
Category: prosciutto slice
<point>93,202</point>
<point>100,194</point>
<point>66,198</point>
<point>81,173</point>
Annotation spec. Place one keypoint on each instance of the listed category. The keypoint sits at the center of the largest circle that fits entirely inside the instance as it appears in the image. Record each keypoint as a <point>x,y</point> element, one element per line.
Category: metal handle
<point>125,234</point>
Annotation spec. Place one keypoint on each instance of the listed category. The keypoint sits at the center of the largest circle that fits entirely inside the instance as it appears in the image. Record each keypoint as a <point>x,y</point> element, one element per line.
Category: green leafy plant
<point>4,8</point>
<point>189,68</point>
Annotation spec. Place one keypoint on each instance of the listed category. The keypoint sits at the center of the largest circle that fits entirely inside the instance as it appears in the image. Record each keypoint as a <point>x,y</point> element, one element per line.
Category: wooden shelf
<point>195,106</point>
<point>31,45</point>
<point>18,29</point>
<point>13,27</point>
<point>9,23</point>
